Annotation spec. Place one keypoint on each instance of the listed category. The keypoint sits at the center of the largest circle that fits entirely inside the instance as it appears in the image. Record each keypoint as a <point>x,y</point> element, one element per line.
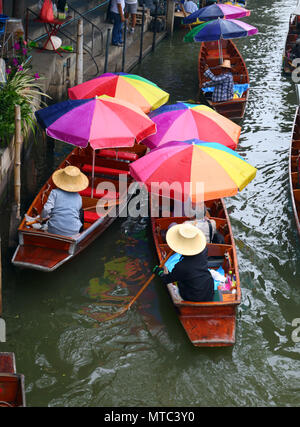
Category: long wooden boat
<point>207,324</point>
<point>292,35</point>
<point>44,251</point>
<point>209,54</point>
<point>294,168</point>
<point>12,388</point>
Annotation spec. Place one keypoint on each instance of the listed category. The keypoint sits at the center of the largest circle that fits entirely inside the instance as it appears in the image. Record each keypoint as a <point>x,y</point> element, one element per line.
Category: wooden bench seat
<point>105,171</point>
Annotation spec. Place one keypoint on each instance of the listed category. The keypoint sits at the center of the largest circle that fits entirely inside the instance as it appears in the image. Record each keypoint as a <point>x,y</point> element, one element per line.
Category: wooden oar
<point>127,307</point>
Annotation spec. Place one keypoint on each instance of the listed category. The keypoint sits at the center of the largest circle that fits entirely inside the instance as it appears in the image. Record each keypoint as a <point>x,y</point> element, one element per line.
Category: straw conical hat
<point>70,179</point>
<point>226,63</point>
<point>186,239</point>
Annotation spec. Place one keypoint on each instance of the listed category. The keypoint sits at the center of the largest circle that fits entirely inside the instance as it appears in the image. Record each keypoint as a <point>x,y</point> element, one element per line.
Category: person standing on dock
<point>131,8</point>
<point>190,6</point>
<point>118,18</point>
<point>223,83</point>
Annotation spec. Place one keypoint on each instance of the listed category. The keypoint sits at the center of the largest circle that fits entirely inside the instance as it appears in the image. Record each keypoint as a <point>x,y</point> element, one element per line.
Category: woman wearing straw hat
<point>195,282</point>
<point>64,203</point>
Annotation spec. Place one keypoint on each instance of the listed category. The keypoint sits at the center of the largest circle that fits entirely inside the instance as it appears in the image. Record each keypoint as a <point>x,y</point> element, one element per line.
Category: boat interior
<point>108,167</point>
<point>219,255</point>
<point>210,55</point>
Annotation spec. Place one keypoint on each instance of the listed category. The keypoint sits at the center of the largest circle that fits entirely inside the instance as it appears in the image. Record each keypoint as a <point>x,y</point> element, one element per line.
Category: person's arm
<point>48,206</point>
<point>216,79</point>
<point>173,276</point>
<point>120,9</point>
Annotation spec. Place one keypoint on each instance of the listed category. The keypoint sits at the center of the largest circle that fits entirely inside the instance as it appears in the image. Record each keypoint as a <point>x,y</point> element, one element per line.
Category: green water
<point>70,358</point>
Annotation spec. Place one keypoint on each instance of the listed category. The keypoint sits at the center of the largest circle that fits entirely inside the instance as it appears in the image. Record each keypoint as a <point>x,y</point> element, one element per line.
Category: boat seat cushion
<point>90,217</point>
<point>103,170</point>
<point>120,155</point>
<point>238,89</point>
<point>107,194</point>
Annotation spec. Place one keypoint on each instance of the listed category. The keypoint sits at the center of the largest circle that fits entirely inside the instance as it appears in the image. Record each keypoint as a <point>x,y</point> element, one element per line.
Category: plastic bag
<point>46,13</point>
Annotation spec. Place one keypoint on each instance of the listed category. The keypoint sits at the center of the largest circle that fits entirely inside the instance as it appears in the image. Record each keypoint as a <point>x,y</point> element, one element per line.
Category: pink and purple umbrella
<point>215,11</point>
<point>102,122</point>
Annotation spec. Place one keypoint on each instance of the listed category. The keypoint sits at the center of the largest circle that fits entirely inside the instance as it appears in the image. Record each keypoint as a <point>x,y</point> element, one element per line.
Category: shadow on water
<point>70,357</point>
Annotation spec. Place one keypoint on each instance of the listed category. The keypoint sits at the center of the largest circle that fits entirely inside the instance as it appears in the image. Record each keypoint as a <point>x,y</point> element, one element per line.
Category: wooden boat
<point>12,389</point>
<point>209,54</point>
<point>44,251</point>
<point>292,35</point>
<point>294,168</point>
<point>207,324</point>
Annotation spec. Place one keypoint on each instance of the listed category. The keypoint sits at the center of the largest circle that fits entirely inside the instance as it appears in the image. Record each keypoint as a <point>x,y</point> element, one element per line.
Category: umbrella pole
<point>93,173</point>
<point>220,51</point>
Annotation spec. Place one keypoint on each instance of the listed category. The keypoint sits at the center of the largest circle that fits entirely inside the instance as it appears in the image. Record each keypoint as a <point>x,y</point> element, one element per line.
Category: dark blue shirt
<point>195,283</point>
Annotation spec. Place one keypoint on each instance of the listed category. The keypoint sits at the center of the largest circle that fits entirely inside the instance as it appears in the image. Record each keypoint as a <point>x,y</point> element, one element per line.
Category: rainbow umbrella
<point>216,11</point>
<point>184,121</point>
<point>102,122</point>
<point>129,87</point>
<point>222,171</point>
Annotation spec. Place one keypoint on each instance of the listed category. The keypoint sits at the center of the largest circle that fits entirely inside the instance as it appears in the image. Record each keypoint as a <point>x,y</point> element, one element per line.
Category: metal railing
<point>95,31</point>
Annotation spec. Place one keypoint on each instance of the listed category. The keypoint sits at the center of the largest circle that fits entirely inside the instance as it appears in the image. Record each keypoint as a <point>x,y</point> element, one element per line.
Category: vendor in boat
<point>295,52</point>
<point>200,218</point>
<point>195,282</point>
<point>223,82</point>
<point>64,204</point>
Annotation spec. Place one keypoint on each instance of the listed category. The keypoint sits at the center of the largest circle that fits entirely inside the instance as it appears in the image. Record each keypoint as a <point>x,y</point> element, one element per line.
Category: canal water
<point>70,357</point>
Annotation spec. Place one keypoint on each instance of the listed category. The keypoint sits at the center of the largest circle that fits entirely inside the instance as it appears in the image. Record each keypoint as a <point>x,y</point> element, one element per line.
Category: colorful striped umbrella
<point>220,29</point>
<point>102,122</point>
<point>222,171</point>
<point>215,11</point>
<point>184,121</point>
<point>129,87</point>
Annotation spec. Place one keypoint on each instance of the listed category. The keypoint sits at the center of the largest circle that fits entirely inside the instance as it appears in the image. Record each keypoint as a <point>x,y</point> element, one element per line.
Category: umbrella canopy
<point>183,121</point>
<point>222,171</point>
<point>220,29</point>
<point>129,87</point>
<point>102,122</point>
<point>216,11</point>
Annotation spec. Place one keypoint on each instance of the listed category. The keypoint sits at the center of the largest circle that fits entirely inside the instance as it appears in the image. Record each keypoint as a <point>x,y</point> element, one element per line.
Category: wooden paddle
<point>127,307</point>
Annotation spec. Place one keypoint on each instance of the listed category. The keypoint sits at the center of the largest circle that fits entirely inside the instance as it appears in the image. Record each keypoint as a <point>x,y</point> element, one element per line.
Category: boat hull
<point>287,66</point>
<point>207,324</point>
<point>233,109</point>
<point>294,168</point>
<point>12,385</point>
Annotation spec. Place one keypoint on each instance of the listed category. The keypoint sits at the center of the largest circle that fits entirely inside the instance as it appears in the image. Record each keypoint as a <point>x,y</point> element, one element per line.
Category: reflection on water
<point>71,357</point>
